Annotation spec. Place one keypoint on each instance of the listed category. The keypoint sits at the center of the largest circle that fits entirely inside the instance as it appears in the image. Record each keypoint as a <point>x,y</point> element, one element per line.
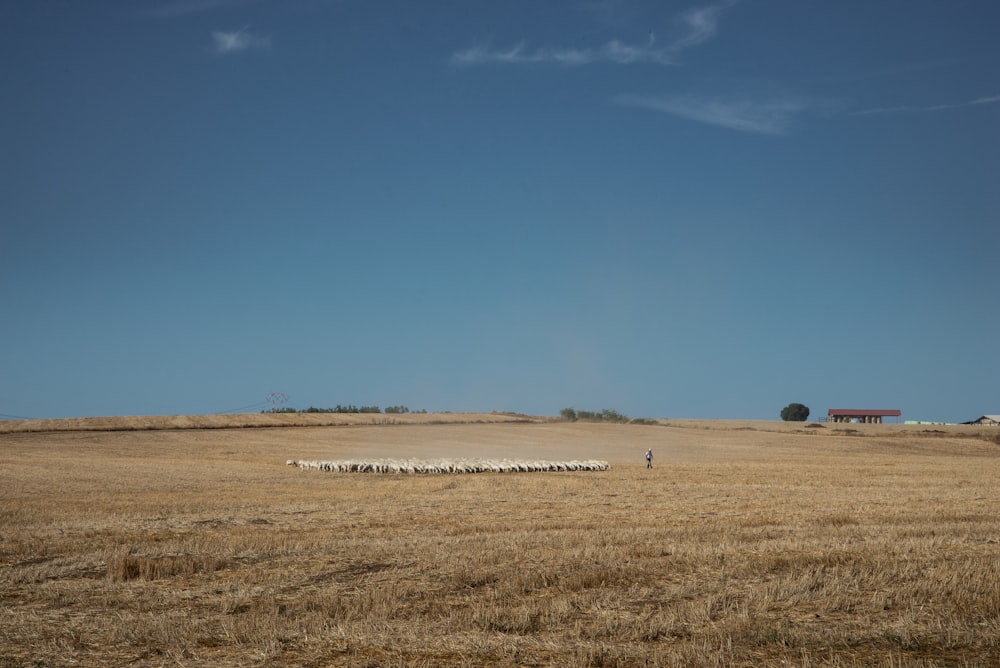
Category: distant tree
<point>611,415</point>
<point>606,415</point>
<point>568,414</point>
<point>795,413</point>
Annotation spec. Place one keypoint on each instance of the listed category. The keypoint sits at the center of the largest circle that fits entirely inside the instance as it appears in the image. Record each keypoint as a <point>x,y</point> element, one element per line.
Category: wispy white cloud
<point>991,99</point>
<point>761,116</point>
<point>911,109</point>
<point>240,40</point>
<point>175,8</point>
<point>701,24</point>
<point>614,51</point>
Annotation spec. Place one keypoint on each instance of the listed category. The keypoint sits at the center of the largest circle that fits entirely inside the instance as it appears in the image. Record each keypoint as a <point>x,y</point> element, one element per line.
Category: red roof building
<point>864,415</point>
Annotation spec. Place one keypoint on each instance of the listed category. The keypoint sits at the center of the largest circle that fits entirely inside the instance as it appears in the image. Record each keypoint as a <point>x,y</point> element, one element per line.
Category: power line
<point>242,408</point>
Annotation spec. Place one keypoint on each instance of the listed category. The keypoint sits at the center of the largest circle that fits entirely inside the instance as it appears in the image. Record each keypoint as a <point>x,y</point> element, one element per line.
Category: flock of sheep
<point>448,466</point>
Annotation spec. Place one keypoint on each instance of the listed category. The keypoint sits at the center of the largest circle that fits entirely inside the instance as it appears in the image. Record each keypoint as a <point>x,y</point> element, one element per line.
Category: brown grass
<point>748,544</point>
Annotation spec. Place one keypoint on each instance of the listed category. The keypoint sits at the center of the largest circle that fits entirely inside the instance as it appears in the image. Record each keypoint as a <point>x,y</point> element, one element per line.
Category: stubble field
<point>126,543</point>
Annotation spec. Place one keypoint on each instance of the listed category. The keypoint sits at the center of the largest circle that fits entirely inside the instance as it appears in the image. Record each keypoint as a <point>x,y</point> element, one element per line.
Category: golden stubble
<point>747,544</point>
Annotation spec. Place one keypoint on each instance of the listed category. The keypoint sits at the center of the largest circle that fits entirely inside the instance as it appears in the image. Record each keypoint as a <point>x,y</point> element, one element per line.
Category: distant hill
<point>254,420</point>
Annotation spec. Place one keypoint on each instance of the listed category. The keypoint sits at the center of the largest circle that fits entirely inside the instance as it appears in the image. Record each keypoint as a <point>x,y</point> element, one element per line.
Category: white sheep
<point>448,466</point>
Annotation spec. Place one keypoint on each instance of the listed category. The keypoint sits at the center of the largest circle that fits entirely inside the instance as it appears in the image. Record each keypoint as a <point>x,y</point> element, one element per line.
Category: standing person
<point>649,458</point>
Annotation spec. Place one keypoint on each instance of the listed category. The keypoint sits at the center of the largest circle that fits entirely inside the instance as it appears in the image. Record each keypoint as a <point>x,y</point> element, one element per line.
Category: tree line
<point>605,415</point>
<point>344,409</point>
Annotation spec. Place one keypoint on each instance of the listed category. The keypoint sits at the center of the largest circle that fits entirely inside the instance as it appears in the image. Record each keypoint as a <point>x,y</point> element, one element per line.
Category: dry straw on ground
<point>747,544</point>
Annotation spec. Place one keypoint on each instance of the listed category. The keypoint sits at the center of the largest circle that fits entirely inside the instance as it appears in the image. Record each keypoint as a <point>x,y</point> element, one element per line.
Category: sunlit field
<point>748,543</point>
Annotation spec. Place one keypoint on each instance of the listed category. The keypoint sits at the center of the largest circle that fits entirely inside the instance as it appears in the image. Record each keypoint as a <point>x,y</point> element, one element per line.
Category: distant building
<point>863,415</point>
<point>991,420</point>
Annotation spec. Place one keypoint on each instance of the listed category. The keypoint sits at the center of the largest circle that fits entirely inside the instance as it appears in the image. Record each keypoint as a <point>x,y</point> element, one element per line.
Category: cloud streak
<point>228,43</point>
<point>910,109</point>
<point>700,25</point>
<point>771,117</point>
<point>616,52</point>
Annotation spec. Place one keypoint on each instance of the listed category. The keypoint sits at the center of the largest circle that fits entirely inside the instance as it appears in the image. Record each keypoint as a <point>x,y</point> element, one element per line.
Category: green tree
<point>795,413</point>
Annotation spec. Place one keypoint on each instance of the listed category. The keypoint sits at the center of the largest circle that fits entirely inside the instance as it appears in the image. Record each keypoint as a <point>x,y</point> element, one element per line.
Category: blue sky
<point>671,209</point>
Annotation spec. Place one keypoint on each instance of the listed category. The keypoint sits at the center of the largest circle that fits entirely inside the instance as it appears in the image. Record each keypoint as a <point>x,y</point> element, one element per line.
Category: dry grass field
<point>180,542</point>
